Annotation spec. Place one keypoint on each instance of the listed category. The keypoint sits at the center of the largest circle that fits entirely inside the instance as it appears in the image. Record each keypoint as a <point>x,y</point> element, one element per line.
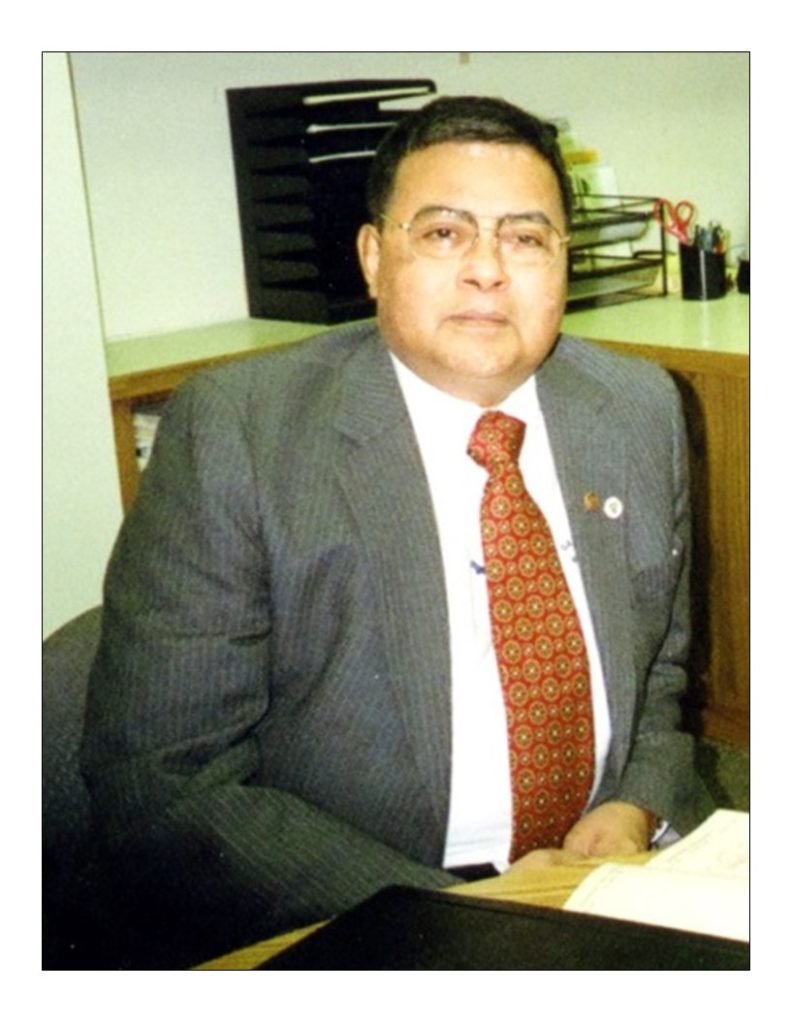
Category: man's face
<point>477,325</point>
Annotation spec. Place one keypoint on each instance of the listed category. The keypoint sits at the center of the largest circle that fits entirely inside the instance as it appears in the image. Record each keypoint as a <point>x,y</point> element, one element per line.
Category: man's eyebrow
<point>537,216</point>
<point>443,208</point>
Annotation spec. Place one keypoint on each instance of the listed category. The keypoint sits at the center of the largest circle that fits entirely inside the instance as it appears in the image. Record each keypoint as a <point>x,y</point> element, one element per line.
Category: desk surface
<point>545,887</point>
<point>721,325</point>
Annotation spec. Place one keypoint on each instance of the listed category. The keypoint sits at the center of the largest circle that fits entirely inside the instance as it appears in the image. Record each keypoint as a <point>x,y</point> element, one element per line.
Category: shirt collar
<point>432,408</point>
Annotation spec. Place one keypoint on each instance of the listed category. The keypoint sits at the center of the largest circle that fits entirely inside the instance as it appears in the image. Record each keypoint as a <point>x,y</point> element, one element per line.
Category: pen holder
<point>743,277</point>
<point>702,273</point>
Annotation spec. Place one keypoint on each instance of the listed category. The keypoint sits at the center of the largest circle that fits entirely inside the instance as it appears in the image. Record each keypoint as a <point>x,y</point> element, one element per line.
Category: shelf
<point>603,261</point>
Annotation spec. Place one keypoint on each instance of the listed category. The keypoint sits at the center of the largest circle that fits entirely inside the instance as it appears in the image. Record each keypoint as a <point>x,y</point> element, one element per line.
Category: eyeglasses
<point>523,240</point>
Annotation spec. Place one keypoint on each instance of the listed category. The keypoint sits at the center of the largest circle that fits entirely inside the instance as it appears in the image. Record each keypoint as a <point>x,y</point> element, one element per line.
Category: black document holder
<point>404,929</point>
<point>302,154</point>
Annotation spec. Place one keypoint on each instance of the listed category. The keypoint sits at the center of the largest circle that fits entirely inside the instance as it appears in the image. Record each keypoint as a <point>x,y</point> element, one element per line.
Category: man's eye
<point>441,234</point>
<point>529,239</point>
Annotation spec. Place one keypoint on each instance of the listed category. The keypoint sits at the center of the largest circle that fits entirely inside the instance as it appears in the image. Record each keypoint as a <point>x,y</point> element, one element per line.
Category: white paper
<point>720,845</point>
<point>701,884</point>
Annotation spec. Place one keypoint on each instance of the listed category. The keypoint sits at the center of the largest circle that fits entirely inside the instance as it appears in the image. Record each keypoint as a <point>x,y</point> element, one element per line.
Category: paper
<point>701,884</point>
<point>721,844</point>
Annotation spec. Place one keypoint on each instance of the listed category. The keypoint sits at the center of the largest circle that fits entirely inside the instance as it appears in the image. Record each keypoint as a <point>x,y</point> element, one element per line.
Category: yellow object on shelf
<point>582,156</point>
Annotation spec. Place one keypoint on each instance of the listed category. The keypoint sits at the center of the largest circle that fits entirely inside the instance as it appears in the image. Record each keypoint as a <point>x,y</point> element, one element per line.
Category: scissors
<point>676,220</point>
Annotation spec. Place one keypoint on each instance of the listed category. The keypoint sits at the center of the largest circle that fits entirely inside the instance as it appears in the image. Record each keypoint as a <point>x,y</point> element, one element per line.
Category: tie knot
<point>497,438</point>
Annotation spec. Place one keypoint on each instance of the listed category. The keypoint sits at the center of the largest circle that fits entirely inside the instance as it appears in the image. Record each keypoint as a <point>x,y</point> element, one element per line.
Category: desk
<point>703,337</point>
<point>545,887</point>
<point>149,368</point>
<point>704,346</point>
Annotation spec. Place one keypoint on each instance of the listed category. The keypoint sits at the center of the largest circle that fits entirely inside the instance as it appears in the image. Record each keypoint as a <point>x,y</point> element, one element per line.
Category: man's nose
<point>482,265</point>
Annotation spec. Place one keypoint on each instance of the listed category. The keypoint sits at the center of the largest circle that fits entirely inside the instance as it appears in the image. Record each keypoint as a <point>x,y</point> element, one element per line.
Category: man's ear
<point>368,253</point>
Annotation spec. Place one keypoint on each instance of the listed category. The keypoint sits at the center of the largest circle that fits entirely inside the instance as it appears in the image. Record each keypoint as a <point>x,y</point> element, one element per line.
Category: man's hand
<point>611,829</point>
<point>543,858</point>
<point>522,871</point>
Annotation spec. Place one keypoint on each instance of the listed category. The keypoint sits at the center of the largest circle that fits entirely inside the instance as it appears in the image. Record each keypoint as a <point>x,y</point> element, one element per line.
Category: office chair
<point>72,897</point>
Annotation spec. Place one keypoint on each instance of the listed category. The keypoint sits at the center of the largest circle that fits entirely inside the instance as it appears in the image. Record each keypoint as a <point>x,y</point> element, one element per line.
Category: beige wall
<point>163,221</point>
<point>160,175</point>
<point>82,509</point>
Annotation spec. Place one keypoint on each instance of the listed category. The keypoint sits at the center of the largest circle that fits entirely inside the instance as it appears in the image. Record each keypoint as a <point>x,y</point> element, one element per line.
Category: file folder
<point>401,928</point>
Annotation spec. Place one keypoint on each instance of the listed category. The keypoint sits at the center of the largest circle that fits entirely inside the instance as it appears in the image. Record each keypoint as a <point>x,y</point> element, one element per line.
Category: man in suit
<point>296,699</point>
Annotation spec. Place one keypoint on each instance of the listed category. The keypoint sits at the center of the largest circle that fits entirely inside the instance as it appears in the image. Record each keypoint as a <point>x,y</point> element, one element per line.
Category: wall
<point>82,507</point>
<point>160,175</point>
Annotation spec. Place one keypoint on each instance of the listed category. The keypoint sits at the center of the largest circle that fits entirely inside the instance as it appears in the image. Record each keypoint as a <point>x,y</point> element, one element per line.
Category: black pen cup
<point>743,277</point>
<point>702,273</point>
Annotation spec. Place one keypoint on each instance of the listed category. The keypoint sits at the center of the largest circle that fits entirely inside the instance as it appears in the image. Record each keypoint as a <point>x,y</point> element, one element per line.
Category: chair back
<point>66,819</point>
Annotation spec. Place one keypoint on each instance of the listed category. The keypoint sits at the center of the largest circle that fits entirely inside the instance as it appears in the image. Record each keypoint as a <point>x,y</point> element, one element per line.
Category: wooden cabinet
<point>133,390</point>
<point>704,347</point>
<point>145,370</point>
<point>714,391</point>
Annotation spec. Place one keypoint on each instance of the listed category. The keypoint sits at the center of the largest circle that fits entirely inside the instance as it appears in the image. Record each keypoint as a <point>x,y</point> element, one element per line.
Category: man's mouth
<point>479,317</point>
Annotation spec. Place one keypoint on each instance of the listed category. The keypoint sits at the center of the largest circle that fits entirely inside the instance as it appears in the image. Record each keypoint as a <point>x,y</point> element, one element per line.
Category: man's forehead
<point>449,151</point>
<point>471,164</point>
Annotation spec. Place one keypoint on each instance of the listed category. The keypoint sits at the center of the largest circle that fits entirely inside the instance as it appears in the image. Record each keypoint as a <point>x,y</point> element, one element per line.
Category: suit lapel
<point>382,475</point>
<point>589,453</point>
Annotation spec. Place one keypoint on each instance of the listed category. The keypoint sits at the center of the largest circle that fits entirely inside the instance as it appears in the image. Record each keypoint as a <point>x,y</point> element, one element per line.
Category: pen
<point>711,238</point>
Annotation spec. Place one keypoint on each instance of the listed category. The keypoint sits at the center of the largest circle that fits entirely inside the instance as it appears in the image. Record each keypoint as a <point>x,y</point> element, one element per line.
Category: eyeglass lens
<point>442,234</point>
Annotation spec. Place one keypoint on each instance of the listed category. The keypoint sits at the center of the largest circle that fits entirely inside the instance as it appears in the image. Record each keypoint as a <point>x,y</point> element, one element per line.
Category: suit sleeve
<point>205,859</point>
<point>660,774</point>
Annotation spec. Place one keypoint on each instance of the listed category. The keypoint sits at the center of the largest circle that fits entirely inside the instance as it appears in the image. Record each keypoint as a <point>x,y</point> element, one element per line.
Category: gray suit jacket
<point>268,728</point>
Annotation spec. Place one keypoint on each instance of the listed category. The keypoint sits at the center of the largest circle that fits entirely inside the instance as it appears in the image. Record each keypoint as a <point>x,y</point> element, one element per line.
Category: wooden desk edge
<point>154,385</point>
<point>163,379</point>
<point>692,360</point>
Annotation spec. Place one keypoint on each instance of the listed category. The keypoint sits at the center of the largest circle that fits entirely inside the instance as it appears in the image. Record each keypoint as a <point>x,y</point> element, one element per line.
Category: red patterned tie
<point>539,646</point>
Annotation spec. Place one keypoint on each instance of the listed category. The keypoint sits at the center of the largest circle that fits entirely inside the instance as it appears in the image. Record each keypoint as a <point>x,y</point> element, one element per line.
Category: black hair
<point>462,119</point>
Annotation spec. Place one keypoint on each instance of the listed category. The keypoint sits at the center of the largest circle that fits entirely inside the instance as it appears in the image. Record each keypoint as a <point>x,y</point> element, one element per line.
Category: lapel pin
<point>591,501</point>
<point>613,508</point>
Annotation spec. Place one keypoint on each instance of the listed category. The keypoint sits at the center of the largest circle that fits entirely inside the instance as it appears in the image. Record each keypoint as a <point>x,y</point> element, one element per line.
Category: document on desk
<point>700,884</point>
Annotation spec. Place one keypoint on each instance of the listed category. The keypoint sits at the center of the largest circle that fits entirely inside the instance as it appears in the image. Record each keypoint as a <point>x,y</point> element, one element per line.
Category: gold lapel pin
<point>591,501</point>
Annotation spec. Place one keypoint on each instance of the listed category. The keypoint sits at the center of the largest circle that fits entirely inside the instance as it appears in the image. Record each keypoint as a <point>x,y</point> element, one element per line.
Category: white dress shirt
<point>479,825</point>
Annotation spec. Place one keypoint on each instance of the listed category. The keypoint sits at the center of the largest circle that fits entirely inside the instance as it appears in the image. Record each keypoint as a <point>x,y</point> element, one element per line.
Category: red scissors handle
<point>676,220</point>
<point>684,214</point>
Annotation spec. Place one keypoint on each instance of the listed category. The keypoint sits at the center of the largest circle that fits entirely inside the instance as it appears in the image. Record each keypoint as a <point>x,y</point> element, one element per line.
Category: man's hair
<point>462,119</point>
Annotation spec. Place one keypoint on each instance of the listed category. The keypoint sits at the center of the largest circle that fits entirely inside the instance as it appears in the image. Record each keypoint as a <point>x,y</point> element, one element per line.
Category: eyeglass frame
<point>475,221</point>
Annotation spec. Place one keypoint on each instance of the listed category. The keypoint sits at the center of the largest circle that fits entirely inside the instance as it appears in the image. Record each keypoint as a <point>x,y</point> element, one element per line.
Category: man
<point>297,698</point>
